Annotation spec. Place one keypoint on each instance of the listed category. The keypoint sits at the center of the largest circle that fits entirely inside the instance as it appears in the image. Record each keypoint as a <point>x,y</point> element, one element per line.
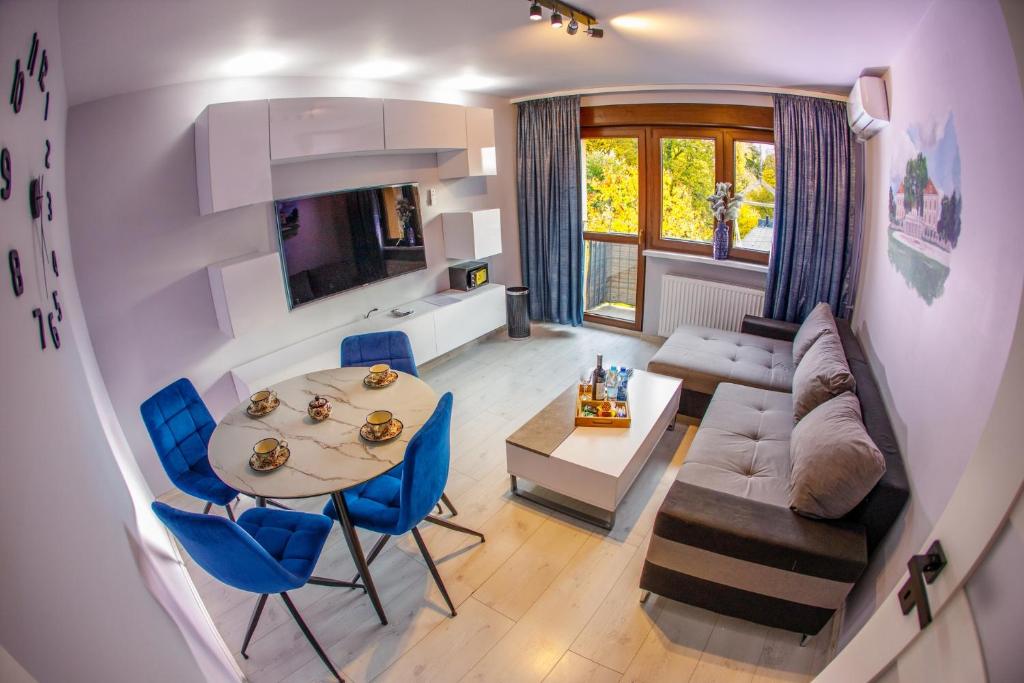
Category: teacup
<point>319,409</point>
<point>379,421</point>
<point>262,400</point>
<point>379,372</point>
<point>267,449</point>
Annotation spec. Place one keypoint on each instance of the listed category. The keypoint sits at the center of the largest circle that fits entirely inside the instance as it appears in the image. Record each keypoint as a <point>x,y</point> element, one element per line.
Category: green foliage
<point>688,177</point>
<point>914,182</point>
<point>755,180</point>
<point>612,185</point>
<point>949,218</point>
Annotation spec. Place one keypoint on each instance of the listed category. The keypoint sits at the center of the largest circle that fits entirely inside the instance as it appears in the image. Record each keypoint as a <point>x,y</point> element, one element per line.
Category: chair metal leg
<point>252,623</point>
<point>433,568</point>
<point>274,503</point>
<point>448,502</point>
<point>454,527</point>
<point>374,552</point>
<point>206,510</point>
<point>354,547</point>
<point>440,510</point>
<point>309,636</point>
<point>231,514</point>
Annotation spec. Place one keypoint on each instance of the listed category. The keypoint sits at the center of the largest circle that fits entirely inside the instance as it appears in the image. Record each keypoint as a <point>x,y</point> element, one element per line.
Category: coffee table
<point>591,465</point>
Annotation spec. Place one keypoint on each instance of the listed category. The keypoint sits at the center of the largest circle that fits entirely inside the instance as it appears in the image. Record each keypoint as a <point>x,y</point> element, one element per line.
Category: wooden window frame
<point>727,124</point>
<point>638,240</point>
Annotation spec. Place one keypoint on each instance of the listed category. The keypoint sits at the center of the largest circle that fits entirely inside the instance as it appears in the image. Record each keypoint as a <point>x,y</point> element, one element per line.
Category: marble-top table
<point>326,457</point>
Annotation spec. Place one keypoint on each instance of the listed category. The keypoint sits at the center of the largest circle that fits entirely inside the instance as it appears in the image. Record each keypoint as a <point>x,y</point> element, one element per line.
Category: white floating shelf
<point>472,234</point>
<point>248,293</point>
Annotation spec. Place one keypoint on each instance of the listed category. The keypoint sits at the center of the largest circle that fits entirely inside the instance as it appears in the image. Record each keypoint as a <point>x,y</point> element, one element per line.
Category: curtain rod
<point>685,87</point>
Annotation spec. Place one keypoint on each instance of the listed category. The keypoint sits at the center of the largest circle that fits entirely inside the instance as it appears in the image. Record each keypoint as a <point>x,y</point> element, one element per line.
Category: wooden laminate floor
<point>546,598</point>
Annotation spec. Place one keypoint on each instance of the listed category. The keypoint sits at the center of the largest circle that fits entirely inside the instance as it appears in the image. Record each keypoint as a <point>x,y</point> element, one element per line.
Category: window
<point>661,161</point>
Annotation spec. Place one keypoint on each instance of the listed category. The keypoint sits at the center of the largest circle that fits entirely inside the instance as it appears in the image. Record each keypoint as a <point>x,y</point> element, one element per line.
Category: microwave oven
<point>468,275</point>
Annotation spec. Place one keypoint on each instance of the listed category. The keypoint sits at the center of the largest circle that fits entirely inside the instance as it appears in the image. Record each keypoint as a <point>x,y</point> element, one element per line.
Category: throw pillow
<point>835,463</point>
<point>818,322</point>
<point>821,374</point>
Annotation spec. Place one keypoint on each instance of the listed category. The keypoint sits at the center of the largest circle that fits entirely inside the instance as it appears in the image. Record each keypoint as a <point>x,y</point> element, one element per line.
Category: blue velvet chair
<point>391,347</point>
<point>180,426</point>
<point>266,551</point>
<point>396,501</point>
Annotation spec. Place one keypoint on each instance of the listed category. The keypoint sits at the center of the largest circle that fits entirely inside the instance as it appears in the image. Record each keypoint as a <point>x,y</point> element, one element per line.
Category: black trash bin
<point>517,306</point>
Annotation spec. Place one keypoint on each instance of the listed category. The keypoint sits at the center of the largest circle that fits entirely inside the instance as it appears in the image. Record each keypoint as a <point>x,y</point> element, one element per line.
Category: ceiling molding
<point>686,87</point>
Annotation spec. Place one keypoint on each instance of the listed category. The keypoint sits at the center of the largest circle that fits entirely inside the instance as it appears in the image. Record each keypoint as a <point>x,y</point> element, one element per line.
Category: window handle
<point>923,569</point>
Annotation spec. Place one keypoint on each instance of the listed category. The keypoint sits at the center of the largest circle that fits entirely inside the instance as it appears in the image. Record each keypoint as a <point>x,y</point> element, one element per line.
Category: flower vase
<point>720,241</point>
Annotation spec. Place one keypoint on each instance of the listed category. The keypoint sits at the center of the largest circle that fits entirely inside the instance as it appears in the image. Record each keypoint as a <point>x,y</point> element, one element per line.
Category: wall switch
<point>431,196</point>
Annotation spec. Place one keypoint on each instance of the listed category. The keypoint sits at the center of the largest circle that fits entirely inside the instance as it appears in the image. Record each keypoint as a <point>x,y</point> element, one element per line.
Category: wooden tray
<point>582,420</point>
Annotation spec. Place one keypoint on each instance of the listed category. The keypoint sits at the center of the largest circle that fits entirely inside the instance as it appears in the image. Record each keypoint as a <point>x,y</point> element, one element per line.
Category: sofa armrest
<point>766,327</point>
<point>758,532</point>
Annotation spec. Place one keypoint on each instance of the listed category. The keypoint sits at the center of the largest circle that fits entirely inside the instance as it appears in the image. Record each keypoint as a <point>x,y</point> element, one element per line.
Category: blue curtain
<point>550,221</point>
<point>817,210</point>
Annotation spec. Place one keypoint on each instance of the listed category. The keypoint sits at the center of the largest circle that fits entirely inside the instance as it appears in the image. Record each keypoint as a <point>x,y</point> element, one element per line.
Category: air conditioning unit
<point>868,107</point>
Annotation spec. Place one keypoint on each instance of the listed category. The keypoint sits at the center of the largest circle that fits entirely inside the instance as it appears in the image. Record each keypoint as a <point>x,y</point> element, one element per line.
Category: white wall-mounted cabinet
<point>312,127</point>
<point>423,126</point>
<point>474,314</point>
<point>248,293</point>
<point>472,234</point>
<point>480,156</point>
<point>232,156</point>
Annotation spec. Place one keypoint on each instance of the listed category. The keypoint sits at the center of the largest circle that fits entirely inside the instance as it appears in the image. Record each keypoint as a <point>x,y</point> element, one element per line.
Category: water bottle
<point>611,384</point>
<point>623,382</point>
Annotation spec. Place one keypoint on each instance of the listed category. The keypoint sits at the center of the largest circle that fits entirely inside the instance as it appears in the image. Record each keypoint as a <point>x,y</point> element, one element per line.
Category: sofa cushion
<point>742,446</point>
<point>703,356</point>
<point>835,462</point>
<point>822,373</point>
<point>818,322</point>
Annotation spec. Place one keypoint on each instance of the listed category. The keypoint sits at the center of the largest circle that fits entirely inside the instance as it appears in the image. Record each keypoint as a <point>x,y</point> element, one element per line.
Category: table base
<point>605,522</point>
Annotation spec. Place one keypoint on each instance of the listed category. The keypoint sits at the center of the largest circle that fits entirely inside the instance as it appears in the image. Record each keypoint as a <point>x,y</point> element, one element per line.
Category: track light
<point>564,14</point>
<point>572,27</point>
<point>556,19</point>
<point>536,13</point>
<point>595,32</point>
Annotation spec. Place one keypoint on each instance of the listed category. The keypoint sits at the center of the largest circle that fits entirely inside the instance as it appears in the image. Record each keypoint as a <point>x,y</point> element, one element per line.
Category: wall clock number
<point>37,313</point>
<point>49,206</point>
<point>35,197</point>
<point>53,262</point>
<point>46,159</point>
<point>17,281</point>
<point>17,87</point>
<point>54,333</point>
<point>44,67</point>
<point>46,109</point>
<point>56,305</point>
<point>5,174</point>
<point>33,52</point>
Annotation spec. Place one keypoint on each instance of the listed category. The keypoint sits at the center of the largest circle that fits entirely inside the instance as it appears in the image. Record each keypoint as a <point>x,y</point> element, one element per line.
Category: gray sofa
<point>725,538</point>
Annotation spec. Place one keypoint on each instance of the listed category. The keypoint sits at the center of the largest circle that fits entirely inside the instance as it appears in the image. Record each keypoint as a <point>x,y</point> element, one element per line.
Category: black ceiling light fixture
<point>566,15</point>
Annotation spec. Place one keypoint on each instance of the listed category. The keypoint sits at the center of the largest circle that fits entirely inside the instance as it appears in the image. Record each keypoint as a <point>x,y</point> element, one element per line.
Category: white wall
<point>75,605</point>
<point>142,247</point>
<point>939,365</point>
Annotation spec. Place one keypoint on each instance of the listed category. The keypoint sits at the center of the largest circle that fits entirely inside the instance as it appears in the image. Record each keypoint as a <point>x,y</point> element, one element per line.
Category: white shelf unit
<point>437,325</point>
<point>471,234</point>
<point>423,126</point>
<point>248,293</point>
<point>232,156</point>
<point>305,128</point>
<point>480,157</point>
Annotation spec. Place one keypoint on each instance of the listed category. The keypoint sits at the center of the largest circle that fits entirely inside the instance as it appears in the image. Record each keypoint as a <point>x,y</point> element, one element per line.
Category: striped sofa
<point>725,539</point>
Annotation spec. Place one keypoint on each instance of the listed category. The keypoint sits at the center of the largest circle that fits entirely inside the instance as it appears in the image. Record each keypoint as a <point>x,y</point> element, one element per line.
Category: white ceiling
<point>117,46</point>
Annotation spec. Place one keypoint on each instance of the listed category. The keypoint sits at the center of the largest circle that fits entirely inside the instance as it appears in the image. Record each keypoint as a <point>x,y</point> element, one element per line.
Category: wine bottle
<point>599,378</point>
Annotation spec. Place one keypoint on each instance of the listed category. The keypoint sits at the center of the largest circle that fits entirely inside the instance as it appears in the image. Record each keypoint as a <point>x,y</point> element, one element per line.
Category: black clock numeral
<point>49,206</point>
<point>37,313</point>
<point>54,333</point>
<point>46,109</point>
<point>5,174</point>
<point>56,305</point>
<point>17,87</point>
<point>53,262</point>
<point>17,281</point>
<point>35,197</point>
<point>33,52</point>
<point>44,67</point>
<point>46,159</point>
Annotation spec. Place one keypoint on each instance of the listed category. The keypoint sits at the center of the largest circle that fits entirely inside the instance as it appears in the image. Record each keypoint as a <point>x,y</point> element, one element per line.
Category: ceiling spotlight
<point>572,27</point>
<point>556,19</point>
<point>595,32</point>
<point>536,13</point>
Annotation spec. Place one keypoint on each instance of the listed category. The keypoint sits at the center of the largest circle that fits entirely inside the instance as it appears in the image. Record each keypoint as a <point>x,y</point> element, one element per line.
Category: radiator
<point>686,301</point>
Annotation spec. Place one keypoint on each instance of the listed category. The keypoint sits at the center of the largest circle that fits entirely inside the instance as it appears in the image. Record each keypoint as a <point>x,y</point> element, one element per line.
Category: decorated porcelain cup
<point>379,421</point>
<point>262,400</point>
<point>379,372</point>
<point>267,449</point>
<point>319,409</point>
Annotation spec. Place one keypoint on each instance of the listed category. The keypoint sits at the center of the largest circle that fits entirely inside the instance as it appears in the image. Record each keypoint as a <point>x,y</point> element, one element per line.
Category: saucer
<point>266,411</point>
<point>394,429</point>
<point>280,458</point>
<point>374,384</point>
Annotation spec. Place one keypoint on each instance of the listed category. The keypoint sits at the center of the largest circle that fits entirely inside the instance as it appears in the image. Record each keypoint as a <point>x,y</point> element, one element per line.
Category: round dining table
<point>326,457</point>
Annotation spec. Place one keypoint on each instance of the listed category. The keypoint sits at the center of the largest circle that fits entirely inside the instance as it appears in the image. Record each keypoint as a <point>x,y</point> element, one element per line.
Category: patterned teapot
<point>319,409</point>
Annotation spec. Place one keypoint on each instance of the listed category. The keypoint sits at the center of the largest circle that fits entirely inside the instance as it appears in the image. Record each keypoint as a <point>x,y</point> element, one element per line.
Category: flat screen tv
<point>335,242</point>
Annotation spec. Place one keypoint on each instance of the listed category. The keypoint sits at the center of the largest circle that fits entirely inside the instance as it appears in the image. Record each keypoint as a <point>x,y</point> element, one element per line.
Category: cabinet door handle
<point>923,569</point>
